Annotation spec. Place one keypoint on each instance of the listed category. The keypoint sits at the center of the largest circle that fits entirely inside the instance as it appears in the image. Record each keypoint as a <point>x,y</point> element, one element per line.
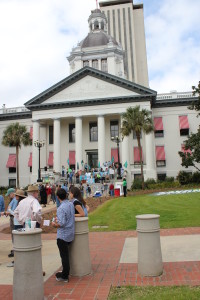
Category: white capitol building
<point>78,116</point>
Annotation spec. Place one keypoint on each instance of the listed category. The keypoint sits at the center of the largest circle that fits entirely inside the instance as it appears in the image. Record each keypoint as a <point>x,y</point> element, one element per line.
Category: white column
<point>101,140</point>
<point>56,145</point>
<point>150,157</point>
<point>125,158</point>
<point>78,141</point>
<point>35,153</point>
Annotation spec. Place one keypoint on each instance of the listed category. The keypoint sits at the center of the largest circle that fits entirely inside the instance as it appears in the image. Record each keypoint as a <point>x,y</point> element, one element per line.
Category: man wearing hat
<point>12,205</point>
<point>29,207</point>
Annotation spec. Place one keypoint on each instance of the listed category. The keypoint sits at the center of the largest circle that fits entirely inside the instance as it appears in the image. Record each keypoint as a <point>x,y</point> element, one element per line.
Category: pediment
<point>88,84</point>
<point>87,88</point>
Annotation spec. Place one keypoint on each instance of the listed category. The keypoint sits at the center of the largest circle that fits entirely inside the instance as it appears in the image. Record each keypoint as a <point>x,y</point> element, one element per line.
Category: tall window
<point>86,63</point>
<point>93,132</point>
<point>114,128</point>
<point>12,182</point>
<point>95,64</point>
<point>71,133</point>
<point>104,65</point>
<point>50,135</point>
<point>12,170</point>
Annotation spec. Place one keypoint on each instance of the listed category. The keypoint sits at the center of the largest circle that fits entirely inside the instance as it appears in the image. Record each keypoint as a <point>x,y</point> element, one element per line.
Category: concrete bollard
<point>149,249</point>
<point>79,252</point>
<point>28,277</point>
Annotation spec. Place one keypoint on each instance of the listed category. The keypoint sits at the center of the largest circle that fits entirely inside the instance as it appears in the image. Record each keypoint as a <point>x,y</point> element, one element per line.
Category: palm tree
<point>137,120</point>
<point>16,135</point>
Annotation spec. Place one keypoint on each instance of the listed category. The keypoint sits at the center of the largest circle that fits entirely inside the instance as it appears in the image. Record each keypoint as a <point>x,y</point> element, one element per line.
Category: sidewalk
<point>106,250</point>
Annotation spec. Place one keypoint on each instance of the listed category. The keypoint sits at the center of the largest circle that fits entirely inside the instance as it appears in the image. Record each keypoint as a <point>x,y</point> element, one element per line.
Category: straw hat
<point>32,188</point>
<point>20,193</point>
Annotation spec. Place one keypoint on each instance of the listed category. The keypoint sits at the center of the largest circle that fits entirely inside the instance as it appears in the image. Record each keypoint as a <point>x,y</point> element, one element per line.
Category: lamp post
<point>117,140</point>
<point>39,145</point>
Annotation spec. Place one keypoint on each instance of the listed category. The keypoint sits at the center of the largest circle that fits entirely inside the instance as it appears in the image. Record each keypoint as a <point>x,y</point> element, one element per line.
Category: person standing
<point>43,196</point>
<point>29,207</point>
<point>2,205</point>
<point>65,224</point>
<point>124,186</point>
<point>48,191</point>
<point>12,205</point>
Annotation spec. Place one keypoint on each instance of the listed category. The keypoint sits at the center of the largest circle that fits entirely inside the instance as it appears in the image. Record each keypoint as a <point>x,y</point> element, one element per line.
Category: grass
<point>155,293</point>
<point>175,211</point>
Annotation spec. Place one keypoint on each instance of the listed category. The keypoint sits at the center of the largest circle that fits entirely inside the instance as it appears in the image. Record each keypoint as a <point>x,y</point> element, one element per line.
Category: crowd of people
<point>26,206</point>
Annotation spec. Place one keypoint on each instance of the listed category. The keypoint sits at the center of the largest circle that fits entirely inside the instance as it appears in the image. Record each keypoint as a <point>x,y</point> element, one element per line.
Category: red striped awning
<point>137,155</point>
<point>50,159</point>
<point>183,122</point>
<point>158,123</point>
<point>30,160</point>
<point>160,153</point>
<point>72,159</point>
<point>31,133</point>
<point>114,154</point>
<point>11,163</point>
<point>184,150</point>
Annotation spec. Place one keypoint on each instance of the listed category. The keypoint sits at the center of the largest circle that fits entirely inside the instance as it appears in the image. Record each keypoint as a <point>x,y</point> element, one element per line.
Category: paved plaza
<point>114,263</point>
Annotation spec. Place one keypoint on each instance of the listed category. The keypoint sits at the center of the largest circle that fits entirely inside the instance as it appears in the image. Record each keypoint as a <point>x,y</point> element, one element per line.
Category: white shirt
<point>28,207</point>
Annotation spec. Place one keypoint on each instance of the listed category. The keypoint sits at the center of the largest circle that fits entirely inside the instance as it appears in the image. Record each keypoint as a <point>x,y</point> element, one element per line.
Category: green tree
<point>196,104</point>
<point>136,120</point>
<point>16,135</point>
<point>192,157</point>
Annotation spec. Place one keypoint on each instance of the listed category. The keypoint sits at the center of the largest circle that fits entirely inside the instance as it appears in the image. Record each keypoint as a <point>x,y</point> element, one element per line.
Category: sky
<point>38,35</point>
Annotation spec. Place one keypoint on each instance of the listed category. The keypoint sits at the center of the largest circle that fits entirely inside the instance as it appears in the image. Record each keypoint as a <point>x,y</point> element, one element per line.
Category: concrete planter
<point>79,252</point>
<point>28,277</point>
<point>149,248</point>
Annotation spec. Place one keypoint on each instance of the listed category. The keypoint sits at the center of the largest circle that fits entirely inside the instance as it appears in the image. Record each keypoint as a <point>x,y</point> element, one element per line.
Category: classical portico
<point>91,120</point>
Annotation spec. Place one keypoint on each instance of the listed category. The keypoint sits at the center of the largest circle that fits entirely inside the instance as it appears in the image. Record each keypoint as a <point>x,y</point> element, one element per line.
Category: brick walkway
<point>105,250</point>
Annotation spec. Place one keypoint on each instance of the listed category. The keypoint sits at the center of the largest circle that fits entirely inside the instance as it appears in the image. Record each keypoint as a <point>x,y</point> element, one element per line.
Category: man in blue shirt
<point>12,205</point>
<point>65,222</point>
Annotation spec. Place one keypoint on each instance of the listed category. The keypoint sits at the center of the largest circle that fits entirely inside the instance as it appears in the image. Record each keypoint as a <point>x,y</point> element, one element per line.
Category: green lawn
<point>155,293</point>
<point>175,211</point>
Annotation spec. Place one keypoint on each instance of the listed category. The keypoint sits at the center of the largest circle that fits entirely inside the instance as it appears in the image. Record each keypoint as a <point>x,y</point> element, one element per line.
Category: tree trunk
<point>141,162</point>
<point>17,160</point>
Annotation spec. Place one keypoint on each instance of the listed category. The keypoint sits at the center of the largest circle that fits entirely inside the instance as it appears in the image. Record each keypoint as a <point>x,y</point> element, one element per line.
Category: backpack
<point>83,207</point>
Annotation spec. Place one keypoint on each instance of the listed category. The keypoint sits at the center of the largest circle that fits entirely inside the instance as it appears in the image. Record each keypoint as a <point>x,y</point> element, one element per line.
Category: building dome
<point>97,38</point>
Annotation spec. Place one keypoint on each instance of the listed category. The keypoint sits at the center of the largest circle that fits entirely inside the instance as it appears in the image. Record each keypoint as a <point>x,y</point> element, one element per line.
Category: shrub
<point>137,184</point>
<point>169,179</point>
<point>149,182</point>
<point>196,177</point>
<point>184,177</point>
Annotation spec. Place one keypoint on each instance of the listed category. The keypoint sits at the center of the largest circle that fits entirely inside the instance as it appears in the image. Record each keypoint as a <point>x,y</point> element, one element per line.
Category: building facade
<point>78,116</point>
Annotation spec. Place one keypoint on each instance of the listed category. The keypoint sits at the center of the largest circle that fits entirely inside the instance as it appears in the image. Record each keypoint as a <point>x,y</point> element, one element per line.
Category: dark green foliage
<point>196,177</point>
<point>137,184</point>
<point>184,177</point>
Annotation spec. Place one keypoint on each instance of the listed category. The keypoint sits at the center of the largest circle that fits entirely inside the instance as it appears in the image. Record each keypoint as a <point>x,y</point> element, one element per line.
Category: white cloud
<point>38,35</point>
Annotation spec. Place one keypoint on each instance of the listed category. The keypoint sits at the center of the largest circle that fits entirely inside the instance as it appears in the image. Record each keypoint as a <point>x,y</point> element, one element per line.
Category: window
<point>93,132</point>
<point>12,170</point>
<point>137,156</point>
<point>160,163</point>
<point>50,135</point>
<point>134,135</point>
<point>184,125</point>
<point>12,183</point>
<point>114,129</point>
<point>161,177</point>
<point>104,65</point>
<point>158,127</point>
<point>30,169</point>
<point>72,133</point>
<point>159,133</point>
<point>95,64</point>
<point>137,176</point>
<point>184,132</point>
<point>86,63</point>
<point>160,156</point>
